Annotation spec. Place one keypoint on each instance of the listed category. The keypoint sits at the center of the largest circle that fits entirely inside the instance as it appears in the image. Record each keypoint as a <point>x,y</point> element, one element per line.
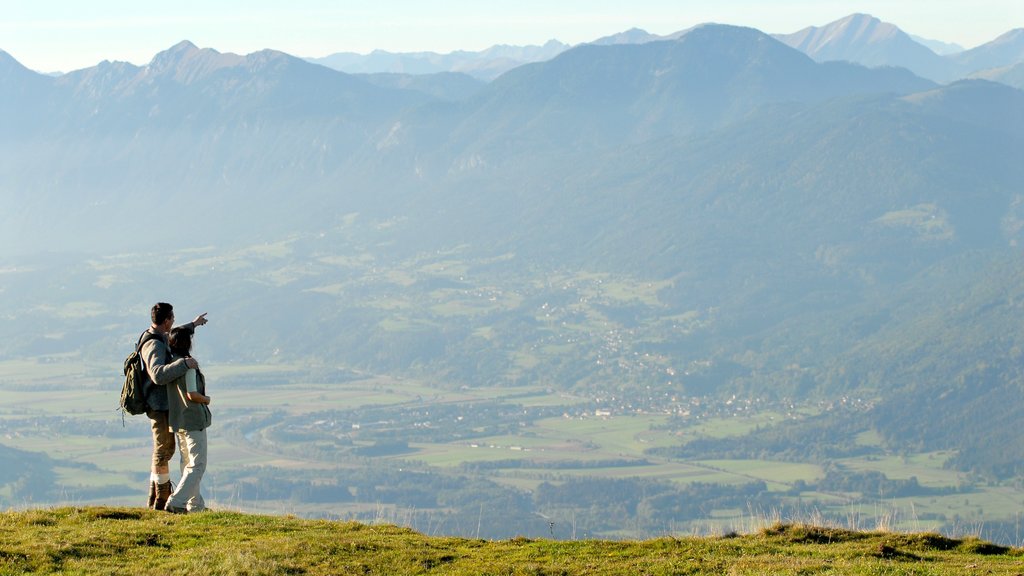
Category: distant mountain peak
<point>710,30</point>
<point>866,40</point>
<point>186,62</point>
<point>172,56</point>
<point>858,18</point>
<point>938,46</point>
<point>631,36</point>
<point>855,29</point>
<point>868,27</point>
<point>266,54</point>
<point>1011,42</point>
<point>1004,51</point>
<point>265,59</point>
<point>640,36</point>
<point>7,61</point>
<point>183,46</point>
<point>10,68</point>
<point>1015,35</point>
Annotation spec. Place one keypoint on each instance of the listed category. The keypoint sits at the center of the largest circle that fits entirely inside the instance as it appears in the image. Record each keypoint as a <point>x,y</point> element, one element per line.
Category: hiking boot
<point>152,495</point>
<point>175,510</point>
<point>163,492</point>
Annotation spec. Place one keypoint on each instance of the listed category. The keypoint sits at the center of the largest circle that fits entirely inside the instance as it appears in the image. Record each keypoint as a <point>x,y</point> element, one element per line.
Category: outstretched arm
<point>199,321</point>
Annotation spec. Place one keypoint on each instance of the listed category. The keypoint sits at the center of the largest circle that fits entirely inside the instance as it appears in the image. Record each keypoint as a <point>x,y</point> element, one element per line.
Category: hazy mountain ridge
<point>1010,75</point>
<point>867,40</point>
<point>604,96</point>
<point>859,38</point>
<point>938,46</point>
<point>223,83</point>
<point>636,36</point>
<point>192,118</point>
<point>1006,50</point>
<point>485,64</point>
<point>208,78</point>
<point>12,70</point>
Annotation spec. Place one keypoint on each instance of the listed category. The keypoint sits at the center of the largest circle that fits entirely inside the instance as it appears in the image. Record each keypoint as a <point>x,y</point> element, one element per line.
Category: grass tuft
<point>923,542</point>
<point>973,545</point>
<point>114,514</point>
<point>887,552</point>
<point>805,533</point>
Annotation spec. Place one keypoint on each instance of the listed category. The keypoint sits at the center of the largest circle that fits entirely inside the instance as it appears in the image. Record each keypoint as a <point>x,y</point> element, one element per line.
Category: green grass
<point>130,540</point>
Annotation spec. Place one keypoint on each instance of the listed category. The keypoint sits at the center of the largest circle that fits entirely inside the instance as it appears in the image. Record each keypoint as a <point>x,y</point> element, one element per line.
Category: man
<point>155,355</point>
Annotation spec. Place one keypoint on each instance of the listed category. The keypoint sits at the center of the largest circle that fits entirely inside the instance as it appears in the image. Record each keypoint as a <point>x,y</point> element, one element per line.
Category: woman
<point>188,417</point>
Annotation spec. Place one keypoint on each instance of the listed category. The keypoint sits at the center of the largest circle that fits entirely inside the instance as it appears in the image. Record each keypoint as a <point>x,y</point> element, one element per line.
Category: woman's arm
<point>192,393</point>
<point>197,398</point>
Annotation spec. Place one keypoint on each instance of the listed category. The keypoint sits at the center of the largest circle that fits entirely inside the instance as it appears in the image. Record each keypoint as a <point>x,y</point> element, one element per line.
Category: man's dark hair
<point>180,340</point>
<point>161,312</point>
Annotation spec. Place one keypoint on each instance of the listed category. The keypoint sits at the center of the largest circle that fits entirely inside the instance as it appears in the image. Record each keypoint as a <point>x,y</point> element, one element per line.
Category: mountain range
<point>484,65</point>
<point>867,40</point>
<point>800,228</point>
<point>858,38</point>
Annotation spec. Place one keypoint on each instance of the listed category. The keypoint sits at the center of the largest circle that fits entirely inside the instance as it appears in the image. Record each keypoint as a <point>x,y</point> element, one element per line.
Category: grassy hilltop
<point>130,540</point>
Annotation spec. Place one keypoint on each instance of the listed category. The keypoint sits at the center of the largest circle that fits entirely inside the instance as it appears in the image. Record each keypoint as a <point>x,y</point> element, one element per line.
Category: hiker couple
<point>177,407</point>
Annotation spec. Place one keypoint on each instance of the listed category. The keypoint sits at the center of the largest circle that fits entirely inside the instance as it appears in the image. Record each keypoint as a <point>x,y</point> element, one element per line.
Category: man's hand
<point>200,320</point>
<point>191,363</point>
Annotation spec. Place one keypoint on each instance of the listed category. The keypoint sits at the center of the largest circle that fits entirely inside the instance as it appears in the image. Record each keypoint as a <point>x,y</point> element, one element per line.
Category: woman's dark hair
<point>180,340</point>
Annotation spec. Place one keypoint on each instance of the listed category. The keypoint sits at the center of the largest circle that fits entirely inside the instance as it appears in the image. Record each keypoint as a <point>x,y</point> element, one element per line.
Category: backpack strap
<point>143,338</point>
<point>146,337</point>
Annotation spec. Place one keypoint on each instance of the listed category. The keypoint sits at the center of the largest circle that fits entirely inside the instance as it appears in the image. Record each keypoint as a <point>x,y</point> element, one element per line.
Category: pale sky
<point>64,35</point>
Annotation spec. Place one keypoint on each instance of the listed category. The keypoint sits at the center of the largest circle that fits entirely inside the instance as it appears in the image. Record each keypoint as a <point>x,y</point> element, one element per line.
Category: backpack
<point>133,393</point>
